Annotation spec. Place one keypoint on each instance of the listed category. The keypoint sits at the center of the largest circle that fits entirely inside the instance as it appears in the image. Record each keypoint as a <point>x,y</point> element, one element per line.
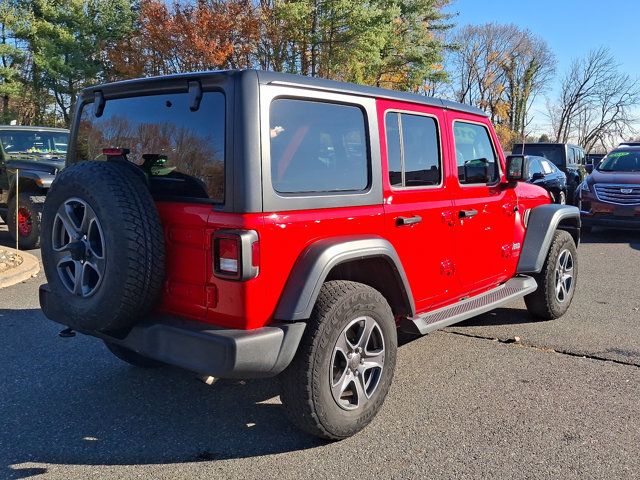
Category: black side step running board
<point>443,317</point>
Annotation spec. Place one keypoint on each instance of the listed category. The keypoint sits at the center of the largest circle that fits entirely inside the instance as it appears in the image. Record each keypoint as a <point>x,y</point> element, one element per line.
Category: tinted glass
<point>181,150</point>
<point>621,161</point>
<point>475,156</point>
<point>553,153</point>
<point>547,167</point>
<point>30,142</point>
<point>393,149</point>
<point>317,147</point>
<point>534,167</point>
<point>420,150</point>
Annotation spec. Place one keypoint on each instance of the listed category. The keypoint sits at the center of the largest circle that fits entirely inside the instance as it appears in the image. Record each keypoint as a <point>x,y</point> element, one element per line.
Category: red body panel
<point>445,258</point>
<point>191,289</point>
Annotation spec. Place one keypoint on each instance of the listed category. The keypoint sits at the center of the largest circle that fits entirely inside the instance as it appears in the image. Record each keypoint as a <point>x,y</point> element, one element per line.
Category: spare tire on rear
<point>102,246</point>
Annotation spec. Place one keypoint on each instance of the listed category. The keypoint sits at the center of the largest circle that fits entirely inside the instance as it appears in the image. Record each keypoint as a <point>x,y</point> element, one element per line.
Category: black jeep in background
<point>37,154</point>
<point>569,158</point>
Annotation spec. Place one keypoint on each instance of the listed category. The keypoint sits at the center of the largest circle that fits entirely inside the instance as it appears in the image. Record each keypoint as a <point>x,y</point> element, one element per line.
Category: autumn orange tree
<point>182,37</point>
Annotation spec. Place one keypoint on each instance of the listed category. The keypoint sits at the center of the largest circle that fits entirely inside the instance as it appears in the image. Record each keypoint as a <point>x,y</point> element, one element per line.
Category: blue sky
<point>571,28</point>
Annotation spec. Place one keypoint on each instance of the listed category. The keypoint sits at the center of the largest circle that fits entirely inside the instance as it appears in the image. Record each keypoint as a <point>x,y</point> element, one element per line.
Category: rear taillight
<point>115,152</point>
<point>236,254</point>
<point>228,255</point>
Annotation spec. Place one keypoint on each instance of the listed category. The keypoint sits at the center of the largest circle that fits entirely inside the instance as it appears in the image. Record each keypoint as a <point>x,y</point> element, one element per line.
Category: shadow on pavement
<point>69,401</point>
<point>601,235</point>
<point>499,316</point>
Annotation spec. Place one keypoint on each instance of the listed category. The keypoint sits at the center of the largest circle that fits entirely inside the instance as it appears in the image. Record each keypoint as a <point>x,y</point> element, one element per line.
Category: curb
<point>29,267</point>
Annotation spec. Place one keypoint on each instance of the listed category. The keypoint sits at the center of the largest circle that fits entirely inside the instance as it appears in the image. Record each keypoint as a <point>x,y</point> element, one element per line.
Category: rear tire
<point>556,281</point>
<point>131,357</point>
<point>344,366</point>
<point>30,217</point>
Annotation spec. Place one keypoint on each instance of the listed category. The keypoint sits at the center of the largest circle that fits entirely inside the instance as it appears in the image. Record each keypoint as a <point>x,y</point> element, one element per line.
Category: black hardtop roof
<point>286,79</point>
<point>32,128</point>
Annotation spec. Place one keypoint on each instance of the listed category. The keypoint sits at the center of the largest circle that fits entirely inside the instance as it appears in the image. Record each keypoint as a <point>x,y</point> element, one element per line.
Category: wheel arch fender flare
<point>31,180</point>
<point>543,222</point>
<point>316,262</point>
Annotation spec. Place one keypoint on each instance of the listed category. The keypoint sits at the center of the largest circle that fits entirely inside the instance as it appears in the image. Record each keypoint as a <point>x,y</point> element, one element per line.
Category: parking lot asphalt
<point>467,402</point>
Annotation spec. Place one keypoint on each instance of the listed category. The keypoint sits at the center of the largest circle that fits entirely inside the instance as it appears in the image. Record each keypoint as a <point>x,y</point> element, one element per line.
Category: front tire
<point>556,281</point>
<point>344,366</point>
<point>29,219</point>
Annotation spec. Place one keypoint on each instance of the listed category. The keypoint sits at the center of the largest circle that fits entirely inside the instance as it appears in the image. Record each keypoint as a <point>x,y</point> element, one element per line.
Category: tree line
<point>51,49</point>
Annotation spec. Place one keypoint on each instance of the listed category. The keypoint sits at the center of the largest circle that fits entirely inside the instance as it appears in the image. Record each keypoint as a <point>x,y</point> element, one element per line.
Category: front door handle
<point>467,213</point>
<point>402,221</point>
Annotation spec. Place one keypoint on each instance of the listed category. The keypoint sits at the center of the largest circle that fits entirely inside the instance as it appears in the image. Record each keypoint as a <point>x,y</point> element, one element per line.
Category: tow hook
<point>67,333</point>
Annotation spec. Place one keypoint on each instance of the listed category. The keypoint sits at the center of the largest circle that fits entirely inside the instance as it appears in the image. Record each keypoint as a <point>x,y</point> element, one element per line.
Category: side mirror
<point>515,168</point>
<point>589,167</point>
<point>537,176</point>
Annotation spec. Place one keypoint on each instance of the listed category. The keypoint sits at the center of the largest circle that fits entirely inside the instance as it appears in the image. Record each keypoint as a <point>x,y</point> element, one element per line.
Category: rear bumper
<point>201,347</point>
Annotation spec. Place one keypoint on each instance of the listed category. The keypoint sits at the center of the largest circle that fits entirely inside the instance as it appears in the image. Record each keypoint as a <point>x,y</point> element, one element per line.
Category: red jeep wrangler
<point>250,224</point>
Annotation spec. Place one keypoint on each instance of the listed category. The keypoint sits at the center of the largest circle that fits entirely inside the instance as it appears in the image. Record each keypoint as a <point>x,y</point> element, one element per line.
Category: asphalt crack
<point>514,343</point>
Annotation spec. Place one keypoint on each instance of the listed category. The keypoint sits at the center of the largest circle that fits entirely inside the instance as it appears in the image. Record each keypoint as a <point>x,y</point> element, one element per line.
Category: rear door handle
<point>401,221</point>
<point>467,213</point>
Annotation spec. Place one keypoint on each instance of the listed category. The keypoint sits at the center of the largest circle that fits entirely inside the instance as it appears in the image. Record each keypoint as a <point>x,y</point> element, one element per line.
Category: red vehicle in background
<point>246,224</point>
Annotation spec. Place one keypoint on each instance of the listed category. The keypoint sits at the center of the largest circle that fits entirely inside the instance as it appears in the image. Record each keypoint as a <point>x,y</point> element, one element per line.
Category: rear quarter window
<point>317,147</point>
<point>181,150</point>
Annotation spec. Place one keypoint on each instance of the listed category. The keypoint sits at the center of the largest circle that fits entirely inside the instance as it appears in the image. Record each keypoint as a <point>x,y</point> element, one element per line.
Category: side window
<point>546,166</point>
<point>581,156</point>
<point>475,155</point>
<point>317,147</point>
<point>413,150</point>
<point>394,155</point>
<point>534,167</point>
<point>571,156</point>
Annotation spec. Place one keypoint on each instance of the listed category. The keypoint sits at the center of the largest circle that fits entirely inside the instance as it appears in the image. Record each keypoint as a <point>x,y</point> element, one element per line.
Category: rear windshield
<point>181,150</point>
<point>34,142</point>
<point>621,162</point>
<point>552,153</point>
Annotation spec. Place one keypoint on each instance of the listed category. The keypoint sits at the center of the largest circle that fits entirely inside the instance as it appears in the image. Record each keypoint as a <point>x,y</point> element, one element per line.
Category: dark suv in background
<point>610,196</point>
<point>37,154</point>
<point>569,158</point>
